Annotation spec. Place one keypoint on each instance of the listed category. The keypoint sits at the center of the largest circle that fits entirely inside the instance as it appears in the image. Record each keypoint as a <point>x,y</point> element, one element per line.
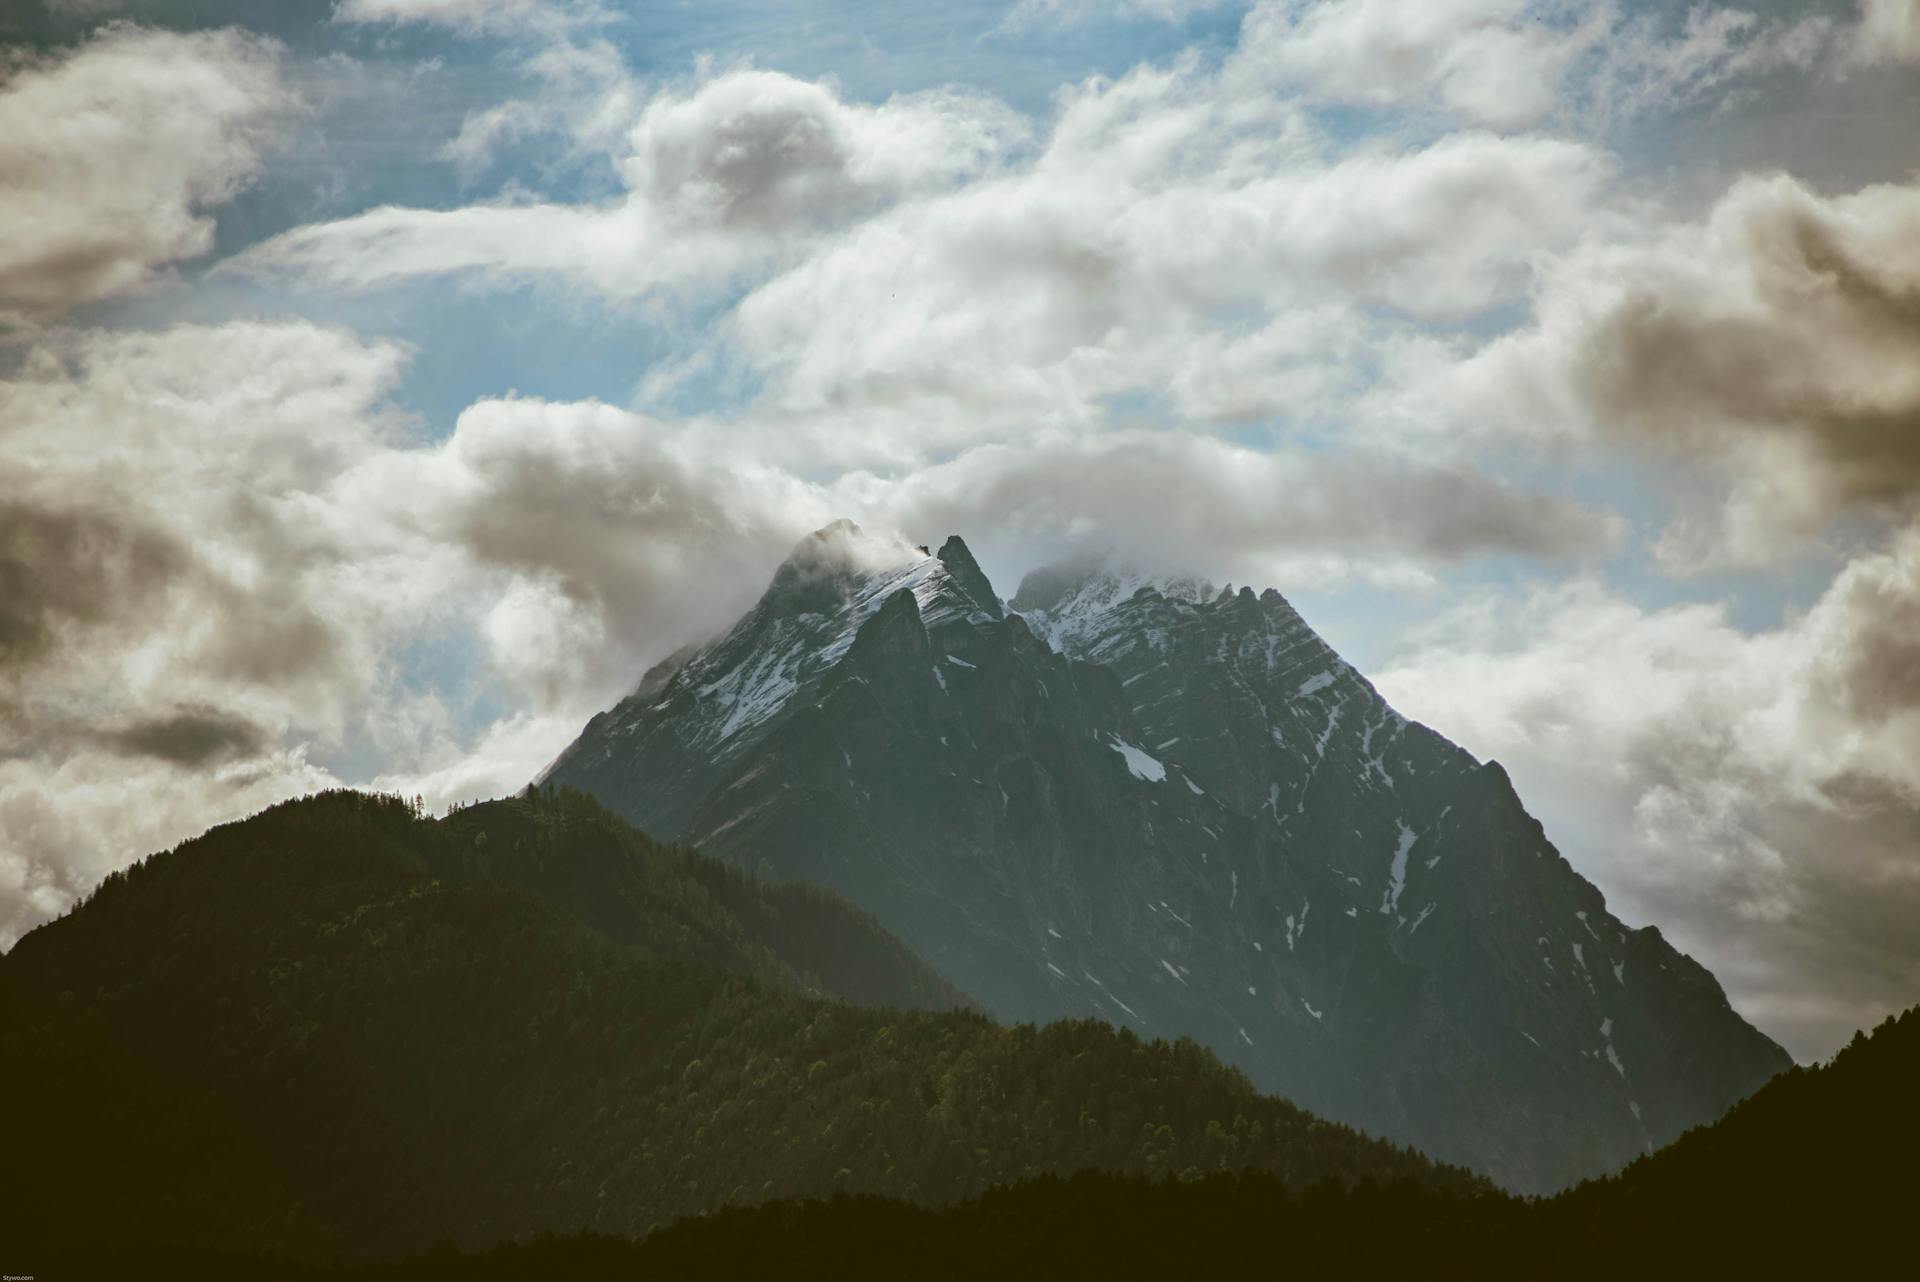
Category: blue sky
<point>385,383</point>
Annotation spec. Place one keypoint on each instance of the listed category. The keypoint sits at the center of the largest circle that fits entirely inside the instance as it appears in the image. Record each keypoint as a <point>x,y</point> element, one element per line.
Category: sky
<point>385,384</point>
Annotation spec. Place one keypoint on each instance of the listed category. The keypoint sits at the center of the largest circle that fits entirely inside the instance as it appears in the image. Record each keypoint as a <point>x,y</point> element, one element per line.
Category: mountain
<point>342,1029</point>
<point>1178,810</point>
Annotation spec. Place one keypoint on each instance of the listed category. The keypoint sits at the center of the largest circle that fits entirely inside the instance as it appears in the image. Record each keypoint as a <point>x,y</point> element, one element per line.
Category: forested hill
<point>340,1029</point>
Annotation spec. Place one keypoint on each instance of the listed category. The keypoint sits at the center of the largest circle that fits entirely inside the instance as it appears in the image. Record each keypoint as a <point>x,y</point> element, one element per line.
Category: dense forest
<point>343,1030</point>
<point>1812,1175</point>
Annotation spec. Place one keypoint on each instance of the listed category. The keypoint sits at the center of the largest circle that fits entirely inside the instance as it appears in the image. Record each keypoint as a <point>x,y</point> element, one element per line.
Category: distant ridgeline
<point>1178,810</point>
<point>340,1029</point>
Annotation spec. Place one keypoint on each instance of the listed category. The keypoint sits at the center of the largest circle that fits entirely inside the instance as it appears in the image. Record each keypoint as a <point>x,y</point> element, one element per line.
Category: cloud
<point>920,275</point>
<point>1889,32</point>
<point>582,92</point>
<point>1173,239</point>
<point>1776,342</point>
<point>1513,64</point>
<point>1029,14</point>
<point>470,16</point>
<point>1491,62</point>
<point>1194,503</point>
<point>191,737</point>
<point>113,153</point>
<point>64,571</point>
<point>230,573</point>
<point>1756,794</point>
<point>619,538</point>
<point>736,175</point>
<point>1642,65</point>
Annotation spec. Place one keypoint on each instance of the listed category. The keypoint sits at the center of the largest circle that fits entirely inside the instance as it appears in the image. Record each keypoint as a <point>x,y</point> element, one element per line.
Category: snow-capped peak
<point>833,581</point>
<point>1065,603</point>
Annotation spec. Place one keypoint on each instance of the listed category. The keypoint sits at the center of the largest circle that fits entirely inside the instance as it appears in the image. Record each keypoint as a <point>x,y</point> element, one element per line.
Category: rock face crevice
<point>1178,809</point>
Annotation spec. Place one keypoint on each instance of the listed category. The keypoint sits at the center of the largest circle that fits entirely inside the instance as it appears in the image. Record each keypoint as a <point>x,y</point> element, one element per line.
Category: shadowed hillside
<point>340,1029</point>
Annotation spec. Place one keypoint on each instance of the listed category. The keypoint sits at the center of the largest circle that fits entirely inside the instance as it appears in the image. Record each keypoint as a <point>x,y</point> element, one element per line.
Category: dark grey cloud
<point>190,737</point>
<point>1773,348</point>
<point>1689,367</point>
<point>62,570</point>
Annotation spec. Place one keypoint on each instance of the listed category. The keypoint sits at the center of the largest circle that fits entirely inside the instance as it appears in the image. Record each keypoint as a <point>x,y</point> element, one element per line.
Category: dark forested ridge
<point>340,1029</point>
<point>1812,1175</point>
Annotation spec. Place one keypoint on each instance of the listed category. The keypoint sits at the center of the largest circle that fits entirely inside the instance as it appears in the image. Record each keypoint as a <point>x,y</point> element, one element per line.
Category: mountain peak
<point>822,569</point>
<point>969,577</point>
<point>1177,808</point>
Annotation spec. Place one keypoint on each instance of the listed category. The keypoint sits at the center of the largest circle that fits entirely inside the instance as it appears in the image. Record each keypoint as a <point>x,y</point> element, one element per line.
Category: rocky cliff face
<point>1179,810</point>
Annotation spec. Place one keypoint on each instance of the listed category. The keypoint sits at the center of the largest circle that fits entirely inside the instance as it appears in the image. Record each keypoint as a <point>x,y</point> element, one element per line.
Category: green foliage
<point>343,1029</point>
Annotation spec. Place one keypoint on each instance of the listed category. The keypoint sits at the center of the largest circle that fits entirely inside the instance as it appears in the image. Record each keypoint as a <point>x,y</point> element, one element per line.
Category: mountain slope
<point>338,1028</point>
<point>1180,811</point>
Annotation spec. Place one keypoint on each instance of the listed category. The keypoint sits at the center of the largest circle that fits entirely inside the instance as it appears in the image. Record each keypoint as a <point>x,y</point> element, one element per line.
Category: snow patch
<point>1333,720</point>
<point>1295,931</point>
<point>959,662</point>
<point>1397,874</point>
<point>1613,1057</point>
<point>1138,762</point>
<point>1310,1010</point>
<point>1314,684</point>
<point>1095,981</point>
<point>1173,970</point>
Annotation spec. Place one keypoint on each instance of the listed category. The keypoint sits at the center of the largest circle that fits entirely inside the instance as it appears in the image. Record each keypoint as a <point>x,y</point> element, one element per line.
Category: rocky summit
<point>1177,808</point>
